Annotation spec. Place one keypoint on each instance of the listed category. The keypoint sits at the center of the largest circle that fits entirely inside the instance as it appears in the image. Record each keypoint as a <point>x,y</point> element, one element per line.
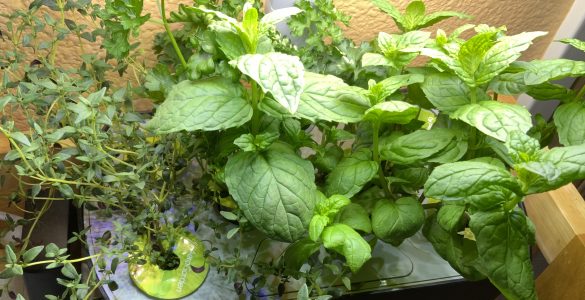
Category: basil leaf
<point>328,98</point>
<point>230,44</point>
<point>394,221</point>
<point>347,242</point>
<point>278,74</point>
<point>329,207</point>
<point>275,189</point>
<point>539,71</point>
<point>298,253</point>
<point>210,104</point>
<point>494,118</point>
<point>502,244</point>
<point>351,174</point>
<point>375,59</point>
<point>570,121</point>
<point>318,223</point>
<point>393,112</point>
<point>414,15</point>
<point>356,217</point>
<point>450,215</point>
<point>416,146</point>
<point>459,252</point>
<point>480,184</point>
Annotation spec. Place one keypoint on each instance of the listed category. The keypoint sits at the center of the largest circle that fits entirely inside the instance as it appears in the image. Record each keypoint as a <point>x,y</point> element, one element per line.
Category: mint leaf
<point>436,17</point>
<point>329,207</point>
<point>502,243</point>
<point>522,147</point>
<point>375,59</point>
<point>570,121</point>
<point>279,15</point>
<point>351,174</point>
<point>210,104</point>
<point>539,71</point>
<point>347,242</point>
<point>575,43</point>
<point>447,92</point>
<point>495,119</point>
<point>550,91</point>
<point>392,112</point>
<point>461,253</point>
<point>249,142</point>
<point>318,223</point>
<point>328,98</point>
<point>400,50</point>
<point>416,146</point>
<point>394,221</point>
<point>278,74</point>
<point>275,189</point>
<point>477,183</point>
<point>392,11</point>
<point>414,15</point>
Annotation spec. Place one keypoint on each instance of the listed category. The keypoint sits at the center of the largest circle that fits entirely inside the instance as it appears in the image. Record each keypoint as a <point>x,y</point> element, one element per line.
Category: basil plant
<point>311,160</point>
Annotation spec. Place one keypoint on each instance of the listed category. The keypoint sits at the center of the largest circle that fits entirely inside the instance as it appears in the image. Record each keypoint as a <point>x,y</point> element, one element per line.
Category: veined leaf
<point>329,207</point>
<point>570,121</point>
<point>522,147</point>
<point>275,189</point>
<point>461,253</point>
<point>502,54</point>
<point>328,98</point>
<point>278,74</point>
<point>318,223</point>
<point>391,84</point>
<point>210,104</point>
<point>392,112</point>
<point>392,11</point>
<point>400,50</point>
<point>416,146</point>
<point>447,92</point>
<point>575,43</point>
<point>450,216</point>
<point>299,252</point>
<point>394,221</point>
<point>347,242</point>
<point>539,71</point>
<point>351,174</point>
<point>495,119</point>
<point>550,91</point>
<point>436,17</point>
<point>375,59</point>
<point>502,242</point>
<point>478,183</point>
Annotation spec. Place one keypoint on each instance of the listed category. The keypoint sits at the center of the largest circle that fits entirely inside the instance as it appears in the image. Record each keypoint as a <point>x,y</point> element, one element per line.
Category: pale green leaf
<point>356,217</point>
<point>329,207</point>
<point>278,74</point>
<point>375,59</point>
<point>539,71</point>
<point>210,104</point>
<point>447,92</point>
<point>347,242</point>
<point>328,98</point>
<point>570,121</point>
<point>279,15</point>
<point>318,223</point>
<point>392,112</point>
<point>495,119</point>
<point>391,10</point>
<point>575,43</point>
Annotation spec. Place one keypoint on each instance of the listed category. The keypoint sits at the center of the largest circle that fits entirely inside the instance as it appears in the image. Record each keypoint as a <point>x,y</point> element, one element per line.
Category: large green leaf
<point>460,252</point>
<point>495,119</point>
<point>570,121</point>
<point>575,43</point>
<point>481,184</point>
<point>347,242</point>
<point>539,71</point>
<point>416,146</point>
<point>502,54</point>
<point>275,189</point>
<point>351,174</point>
<point>328,98</point>
<point>502,243</point>
<point>509,84</point>
<point>278,74</point>
<point>392,112</point>
<point>329,207</point>
<point>447,92</point>
<point>391,84</point>
<point>394,221</point>
<point>211,104</point>
<point>555,168</point>
<point>450,215</point>
<point>550,91</point>
<point>402,49</point>
<point>522,147</point>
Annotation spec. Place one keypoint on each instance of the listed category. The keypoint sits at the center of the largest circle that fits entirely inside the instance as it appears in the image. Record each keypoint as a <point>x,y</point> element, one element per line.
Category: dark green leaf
<point>351,174</point>
<point>345,241</point>
<point>394,221</point>
<point>416,146</point>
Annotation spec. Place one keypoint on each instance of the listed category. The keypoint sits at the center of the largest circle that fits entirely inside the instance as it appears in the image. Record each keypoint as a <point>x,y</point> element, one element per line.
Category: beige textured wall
<point>367,21</point>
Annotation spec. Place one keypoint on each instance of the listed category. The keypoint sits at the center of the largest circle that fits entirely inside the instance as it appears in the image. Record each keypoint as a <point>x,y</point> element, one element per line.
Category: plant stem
<point>472,130</point>
<point>170,34</point>
<point>581,93</point>
<point>256,114</point>
<point>44,262</point>
<point>376,151</point>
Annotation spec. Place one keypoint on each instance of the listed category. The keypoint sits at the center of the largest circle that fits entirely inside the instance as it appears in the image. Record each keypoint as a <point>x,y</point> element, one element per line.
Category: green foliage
<point>394,221</point>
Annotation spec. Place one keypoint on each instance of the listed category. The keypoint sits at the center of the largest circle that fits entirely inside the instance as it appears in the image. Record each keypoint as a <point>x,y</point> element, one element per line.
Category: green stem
<point>472,130</point>
<point>170,34</point>
<point>376,150</point>
<point>256,115</point>
<point>46,262</point>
